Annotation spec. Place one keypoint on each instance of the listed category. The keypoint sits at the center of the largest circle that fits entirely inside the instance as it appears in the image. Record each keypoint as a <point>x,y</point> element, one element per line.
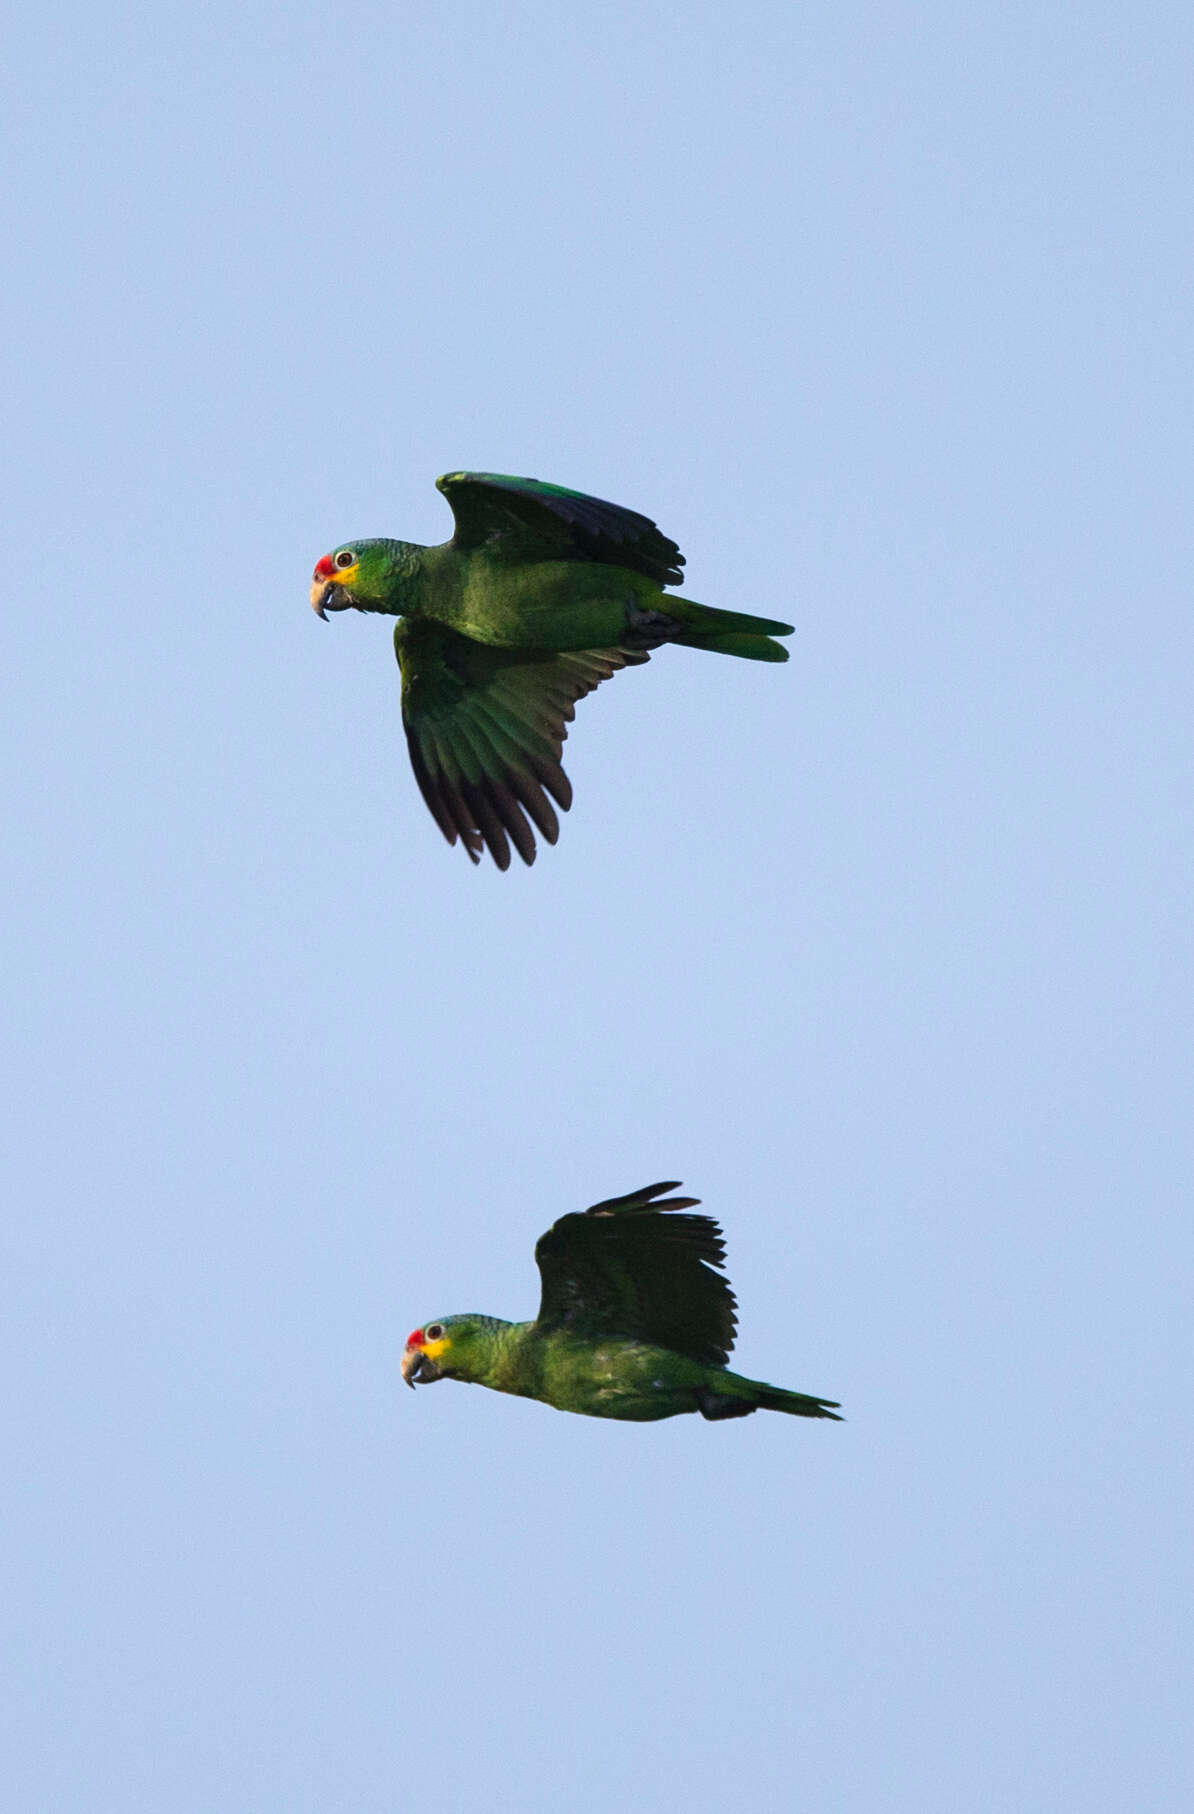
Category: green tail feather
<point>751,648</point>
<point>798,1404</point>
<point>727,632</point>
<point>730,1395</point>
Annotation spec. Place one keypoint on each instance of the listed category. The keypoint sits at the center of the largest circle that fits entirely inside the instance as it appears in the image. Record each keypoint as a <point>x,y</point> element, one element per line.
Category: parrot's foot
<point>648,629</point>
<point>718,1405</point>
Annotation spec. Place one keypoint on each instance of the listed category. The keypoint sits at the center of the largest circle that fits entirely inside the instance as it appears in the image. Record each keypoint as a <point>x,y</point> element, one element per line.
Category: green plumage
<point>636,1321</point>
<point>541,594</point>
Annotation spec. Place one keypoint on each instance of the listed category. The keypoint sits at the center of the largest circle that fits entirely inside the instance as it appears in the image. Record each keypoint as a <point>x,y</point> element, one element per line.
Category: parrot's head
<point>431,1351</point>
<point>359,575</point>
<point>452,1347</point>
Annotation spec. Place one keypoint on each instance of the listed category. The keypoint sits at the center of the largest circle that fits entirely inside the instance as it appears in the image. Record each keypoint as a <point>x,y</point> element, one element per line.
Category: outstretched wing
<point>638,1268</point>
<point>529,520</point>
<point>486,728</point>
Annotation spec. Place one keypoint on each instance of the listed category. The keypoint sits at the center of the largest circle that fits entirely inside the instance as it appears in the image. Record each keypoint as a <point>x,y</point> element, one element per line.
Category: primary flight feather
<point>541,594</point>
<point>636,1321</point>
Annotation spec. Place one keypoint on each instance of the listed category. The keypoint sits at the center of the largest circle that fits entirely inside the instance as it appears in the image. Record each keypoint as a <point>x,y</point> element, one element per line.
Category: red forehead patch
<point>325,567</point>
<point>415,1339</point>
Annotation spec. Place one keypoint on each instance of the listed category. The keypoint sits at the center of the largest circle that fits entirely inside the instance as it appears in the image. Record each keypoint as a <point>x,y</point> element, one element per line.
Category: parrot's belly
<point>628,1380</point>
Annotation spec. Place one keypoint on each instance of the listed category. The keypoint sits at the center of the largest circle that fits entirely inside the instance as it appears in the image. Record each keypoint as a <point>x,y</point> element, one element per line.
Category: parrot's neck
<point>402,580</point>
<point>496,1354</point>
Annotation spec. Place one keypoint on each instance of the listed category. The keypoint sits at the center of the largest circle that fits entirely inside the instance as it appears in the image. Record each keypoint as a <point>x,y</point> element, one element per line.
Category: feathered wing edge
<point>640,1268</point>
<point>486,728</point>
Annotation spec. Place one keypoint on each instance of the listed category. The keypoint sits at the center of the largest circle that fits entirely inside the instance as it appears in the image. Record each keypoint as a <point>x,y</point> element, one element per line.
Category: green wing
<point>486,728</point>
<point>636,1268</point>
<point>528,520</point>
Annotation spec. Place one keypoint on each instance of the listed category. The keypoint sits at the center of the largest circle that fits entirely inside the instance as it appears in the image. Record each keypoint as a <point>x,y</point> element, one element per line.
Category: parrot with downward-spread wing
<point>541,594</point>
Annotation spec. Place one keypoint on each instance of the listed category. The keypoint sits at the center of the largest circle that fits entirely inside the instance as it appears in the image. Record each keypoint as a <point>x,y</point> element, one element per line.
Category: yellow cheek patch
<point>345,576</point>
<point>433,1350</point>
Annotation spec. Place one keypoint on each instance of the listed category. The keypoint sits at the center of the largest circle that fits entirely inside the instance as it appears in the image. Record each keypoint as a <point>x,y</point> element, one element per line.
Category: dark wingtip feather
<point>642,1199</point>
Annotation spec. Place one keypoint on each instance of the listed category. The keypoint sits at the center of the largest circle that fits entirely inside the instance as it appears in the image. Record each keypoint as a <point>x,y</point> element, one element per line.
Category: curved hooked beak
<point>323,595</point>
<point>418,1368</point>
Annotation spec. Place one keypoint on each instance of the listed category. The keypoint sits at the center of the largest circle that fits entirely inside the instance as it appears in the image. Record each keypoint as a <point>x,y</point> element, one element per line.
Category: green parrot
<point>541,594</point>
<point>633,1323</point>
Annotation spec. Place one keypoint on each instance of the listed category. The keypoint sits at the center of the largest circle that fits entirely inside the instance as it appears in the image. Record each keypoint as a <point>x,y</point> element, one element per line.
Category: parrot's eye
<point>434,1331</point>
<point>346,558</point>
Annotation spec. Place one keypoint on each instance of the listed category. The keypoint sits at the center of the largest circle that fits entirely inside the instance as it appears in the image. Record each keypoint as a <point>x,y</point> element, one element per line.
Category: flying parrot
<point>634,1323</point>
<point>540,595</point>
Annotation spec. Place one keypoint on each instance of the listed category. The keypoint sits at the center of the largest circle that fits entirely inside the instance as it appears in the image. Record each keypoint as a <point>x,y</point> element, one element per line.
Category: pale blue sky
<point>884,313</point>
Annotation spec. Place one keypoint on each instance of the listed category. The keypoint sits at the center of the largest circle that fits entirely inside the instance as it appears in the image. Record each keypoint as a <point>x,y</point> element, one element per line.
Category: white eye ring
<point>434,1331</point>
<point>346,558</point>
